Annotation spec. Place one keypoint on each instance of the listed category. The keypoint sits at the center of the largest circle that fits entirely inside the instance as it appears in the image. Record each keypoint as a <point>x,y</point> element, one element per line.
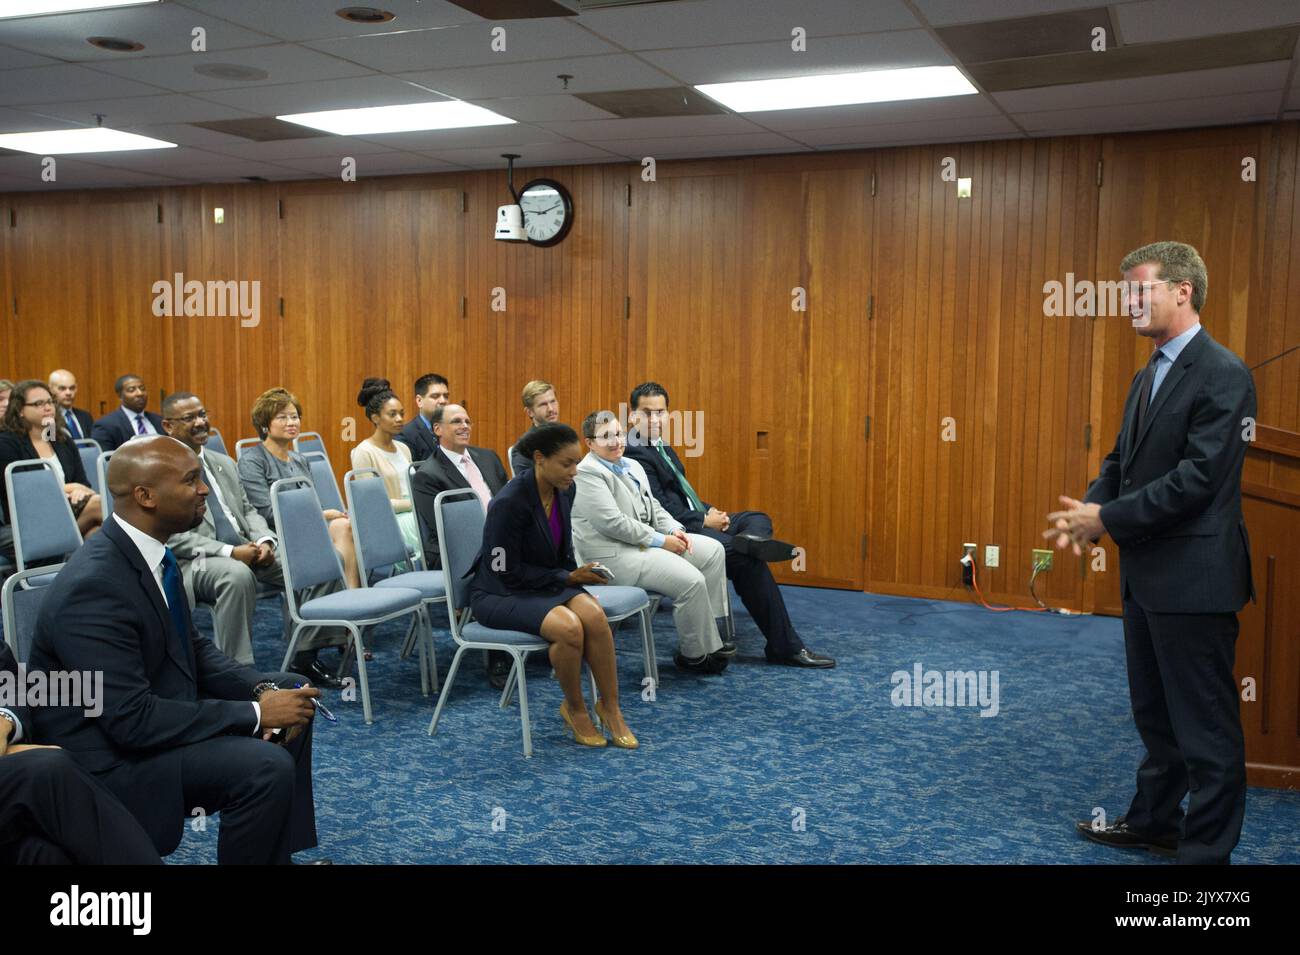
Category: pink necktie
<point>476,480</point>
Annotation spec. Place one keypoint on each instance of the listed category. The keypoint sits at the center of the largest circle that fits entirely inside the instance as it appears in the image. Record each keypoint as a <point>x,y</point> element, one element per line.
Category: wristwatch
<point>262,688</point>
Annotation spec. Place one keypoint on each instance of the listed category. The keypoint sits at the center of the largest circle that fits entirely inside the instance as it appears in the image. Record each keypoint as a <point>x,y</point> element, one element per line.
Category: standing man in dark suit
<point>1169,495</point>
<point>52,812</point>
<point>63,385</point>
<point>745,536</point>
<point>431,393</point>
<point>130,420</point>
<point>452,466</point>
<point>184,728</point>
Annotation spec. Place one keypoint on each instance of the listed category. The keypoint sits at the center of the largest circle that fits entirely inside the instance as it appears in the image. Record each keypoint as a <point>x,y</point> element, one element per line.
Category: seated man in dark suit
<point>453,466</point>
<point>431,392</point>
<point>52,812</point>
<point>183,726</point>
<point>129,421</point>
<point>542,407</point>
<point>63,386</point>
<point>746,536</point>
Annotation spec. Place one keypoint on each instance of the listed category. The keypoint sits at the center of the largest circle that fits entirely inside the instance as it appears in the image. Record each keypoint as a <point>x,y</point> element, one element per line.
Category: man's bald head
<point>157,486</point>
<point>63,385</point>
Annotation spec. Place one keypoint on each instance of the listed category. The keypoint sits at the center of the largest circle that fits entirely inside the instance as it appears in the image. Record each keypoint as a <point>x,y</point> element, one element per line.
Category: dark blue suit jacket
<point>1171,495</point>
<point>517,523</point>
<point>84,421</point>
<point>162,691</point>
<point>663,482</point>
<point>15,446</point>
<point>113,430</point>
<point>418,438</point>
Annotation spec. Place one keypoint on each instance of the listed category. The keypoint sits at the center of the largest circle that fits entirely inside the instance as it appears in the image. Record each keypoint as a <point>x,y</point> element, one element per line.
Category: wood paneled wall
<point>920,307</point>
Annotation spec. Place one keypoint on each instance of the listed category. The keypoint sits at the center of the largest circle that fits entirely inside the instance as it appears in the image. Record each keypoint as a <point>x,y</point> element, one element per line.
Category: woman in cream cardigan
<point>390,458</point>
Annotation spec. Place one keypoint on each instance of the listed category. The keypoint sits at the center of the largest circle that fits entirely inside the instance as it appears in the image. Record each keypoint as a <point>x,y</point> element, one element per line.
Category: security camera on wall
<point>510,224</point>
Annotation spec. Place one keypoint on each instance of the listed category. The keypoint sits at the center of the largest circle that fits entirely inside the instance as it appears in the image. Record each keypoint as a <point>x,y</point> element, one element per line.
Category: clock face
<point>548,211</point>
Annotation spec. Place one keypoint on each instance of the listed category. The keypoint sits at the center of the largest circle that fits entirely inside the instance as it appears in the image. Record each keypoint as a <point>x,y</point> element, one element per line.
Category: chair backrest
<point>374,525</point>
<point>22,604</point>
<point>460,518</point>
<point>88,448</point>
<point>245,443</point>
<point>216,442</point>
<point>39,512</point>
<point>419,518</point>
<point>306,555</point>
<point>310,441</point>
<point>510,459</point>
<point>322,476</point>
<point>105,496</point>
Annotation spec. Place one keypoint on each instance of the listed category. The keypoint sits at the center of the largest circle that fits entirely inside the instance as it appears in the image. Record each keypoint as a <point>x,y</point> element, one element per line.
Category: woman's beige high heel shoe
<point>626,741</point>
<point>581,738</point>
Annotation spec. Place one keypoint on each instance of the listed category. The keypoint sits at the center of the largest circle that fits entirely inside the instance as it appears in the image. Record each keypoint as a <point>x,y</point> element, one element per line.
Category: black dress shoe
<point>499,664</point>
<point>322,677</point>
<point>711,663</point>
<point>764,549</point>
<point>804,658</point>
<point>1120,836</point>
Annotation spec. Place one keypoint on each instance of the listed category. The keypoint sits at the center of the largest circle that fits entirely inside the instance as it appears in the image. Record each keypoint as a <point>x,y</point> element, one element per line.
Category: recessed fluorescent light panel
<point>406,118</point>
<point>37,8</point>
<point>96,139</point>
<point>839,89</point>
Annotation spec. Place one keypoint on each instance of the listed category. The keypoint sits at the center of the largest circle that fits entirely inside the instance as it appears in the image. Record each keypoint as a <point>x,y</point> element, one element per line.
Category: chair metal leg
<point>361,674</point>
<point>595,696</point>
<point>427,614</point>
<point>523,703</point>
<point>648,649</point>
<point>508,691</point>
<point>408,642</point>
<point>293,645</point>
<point>446,689</point>
<point>424,669</point>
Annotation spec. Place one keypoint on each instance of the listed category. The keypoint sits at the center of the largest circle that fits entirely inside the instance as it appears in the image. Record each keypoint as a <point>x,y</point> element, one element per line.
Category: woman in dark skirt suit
<point>538,586</point>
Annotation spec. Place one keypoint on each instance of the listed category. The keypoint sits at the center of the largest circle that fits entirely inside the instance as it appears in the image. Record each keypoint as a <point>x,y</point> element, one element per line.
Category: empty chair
<point>380,551</point>
<point>309,560</point>
<point>245,443</point>
<point>310,441</point>
<point>22,602</point>
<point>43,525</point>
<point>322,476</point>
<point>88,448</point>
<point>216,442</point>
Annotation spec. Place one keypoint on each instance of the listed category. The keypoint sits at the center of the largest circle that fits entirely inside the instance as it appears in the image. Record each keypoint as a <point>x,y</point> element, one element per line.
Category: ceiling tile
<point>756,61</point>
<point>26,121</point>
<point>935,131</point>
<point>590,74</point>
<point>316,19</point>
<point>1242,108</point>
<point>385,164</point>
<point>235,170</point>
<point>944,12</point>
<point>163,28</point>
<point>53,84</point>
<point>283,62</point>
<point>469,45</point>
<point>75,174</point>
<point>534,109</point>
<point>1236,79</point>
<point>373,90</point>
<point>327,146</point>
<point>537,154</point>
<point>700,145</point>
<point>135,110</point>
<point>505,138</point>
<point>1156,21</point>
<point>712,22</point>
<point>865,114</point>
<point>654,127</point>
<point>167,162</point>
<point>13,59</point>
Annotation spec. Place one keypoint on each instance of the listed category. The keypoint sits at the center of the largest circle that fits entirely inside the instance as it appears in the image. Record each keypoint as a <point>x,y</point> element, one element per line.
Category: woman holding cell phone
<point>526,579</point>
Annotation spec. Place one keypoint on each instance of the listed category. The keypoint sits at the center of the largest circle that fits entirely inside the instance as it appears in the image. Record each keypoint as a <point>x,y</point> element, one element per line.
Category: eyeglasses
<point>47,403</point>
<point>192,416</point>
<point>609,439</point>
<point>287,418</point>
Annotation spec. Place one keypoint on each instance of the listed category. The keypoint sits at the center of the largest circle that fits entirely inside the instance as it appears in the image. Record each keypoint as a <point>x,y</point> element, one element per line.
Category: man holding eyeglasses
<point>223,557</point>
<point>1169,495</point>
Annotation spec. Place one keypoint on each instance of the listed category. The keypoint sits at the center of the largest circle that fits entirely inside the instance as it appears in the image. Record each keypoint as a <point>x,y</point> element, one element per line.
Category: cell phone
<point>600,570</point>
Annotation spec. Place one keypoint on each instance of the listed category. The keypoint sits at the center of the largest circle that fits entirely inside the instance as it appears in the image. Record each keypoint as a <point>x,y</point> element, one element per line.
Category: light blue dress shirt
<point>1169,353</point>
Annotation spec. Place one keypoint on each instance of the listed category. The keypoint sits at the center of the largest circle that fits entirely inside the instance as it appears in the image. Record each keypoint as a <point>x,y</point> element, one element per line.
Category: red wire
<point>975,585</point>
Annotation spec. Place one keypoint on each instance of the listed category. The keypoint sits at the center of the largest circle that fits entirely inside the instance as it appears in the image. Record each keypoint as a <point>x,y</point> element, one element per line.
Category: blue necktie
<point>177,603</point>
<point>72,425</point>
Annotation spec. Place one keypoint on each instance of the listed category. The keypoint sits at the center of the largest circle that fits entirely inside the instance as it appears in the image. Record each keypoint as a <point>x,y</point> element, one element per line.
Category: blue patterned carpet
<point>728,765</point>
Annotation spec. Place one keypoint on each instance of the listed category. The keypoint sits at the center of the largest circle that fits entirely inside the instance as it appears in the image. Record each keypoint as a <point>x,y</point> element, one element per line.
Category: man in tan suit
<point>618,522</point>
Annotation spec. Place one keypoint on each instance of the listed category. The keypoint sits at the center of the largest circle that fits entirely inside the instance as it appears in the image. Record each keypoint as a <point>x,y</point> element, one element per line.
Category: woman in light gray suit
<point>618,522</point>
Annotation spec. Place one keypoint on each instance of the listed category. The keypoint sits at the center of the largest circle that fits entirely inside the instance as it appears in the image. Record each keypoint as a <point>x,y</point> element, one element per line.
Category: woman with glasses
<point>277,418</point>
<point>31,430</point>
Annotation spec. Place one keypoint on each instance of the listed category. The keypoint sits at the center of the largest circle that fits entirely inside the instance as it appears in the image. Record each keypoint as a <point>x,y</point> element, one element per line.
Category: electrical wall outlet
<point>1042,559</point>
<point>990,555</point>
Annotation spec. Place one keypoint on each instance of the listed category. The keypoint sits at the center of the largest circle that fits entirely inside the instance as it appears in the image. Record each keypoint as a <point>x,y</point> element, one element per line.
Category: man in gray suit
<point>225,557</point>
<point>618,522</point>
